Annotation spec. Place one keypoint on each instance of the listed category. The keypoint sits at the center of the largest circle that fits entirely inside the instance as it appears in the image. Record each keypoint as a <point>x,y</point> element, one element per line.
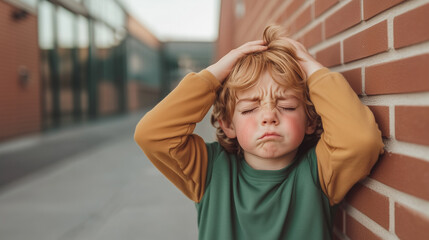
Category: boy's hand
<point>223,67</point>
<point>307,62</point>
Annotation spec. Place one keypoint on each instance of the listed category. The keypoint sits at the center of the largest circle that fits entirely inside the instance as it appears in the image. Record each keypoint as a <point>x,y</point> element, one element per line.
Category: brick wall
<point>107,98</point>
<point>382,48</point>
<point>20,102</point>
<point>132,96</point>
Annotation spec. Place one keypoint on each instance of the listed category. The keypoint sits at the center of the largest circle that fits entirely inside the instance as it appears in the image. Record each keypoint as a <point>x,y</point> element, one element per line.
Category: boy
<point>263,179</point>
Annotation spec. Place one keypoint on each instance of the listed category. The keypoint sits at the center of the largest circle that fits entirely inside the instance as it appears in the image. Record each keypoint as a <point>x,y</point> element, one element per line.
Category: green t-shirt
<point>240,202</point>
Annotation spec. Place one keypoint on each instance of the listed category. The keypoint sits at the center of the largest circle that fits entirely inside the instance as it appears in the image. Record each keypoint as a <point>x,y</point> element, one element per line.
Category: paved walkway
<point>90,182</point>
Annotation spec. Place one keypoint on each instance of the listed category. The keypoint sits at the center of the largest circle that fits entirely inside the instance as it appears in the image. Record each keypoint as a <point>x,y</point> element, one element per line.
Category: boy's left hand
<point>307,62</point>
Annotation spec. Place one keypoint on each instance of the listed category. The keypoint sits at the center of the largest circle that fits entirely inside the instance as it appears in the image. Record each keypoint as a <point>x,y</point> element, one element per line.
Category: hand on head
<point>223,67</point>
<point>307,62</point>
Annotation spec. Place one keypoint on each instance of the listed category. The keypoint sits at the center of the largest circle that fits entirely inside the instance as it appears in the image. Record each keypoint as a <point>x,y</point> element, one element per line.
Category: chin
<point>278,153</point>
<point>273,153</point>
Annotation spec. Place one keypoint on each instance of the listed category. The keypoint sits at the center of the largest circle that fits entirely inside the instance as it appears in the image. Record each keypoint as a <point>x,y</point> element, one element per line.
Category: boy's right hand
<point>223,67</point>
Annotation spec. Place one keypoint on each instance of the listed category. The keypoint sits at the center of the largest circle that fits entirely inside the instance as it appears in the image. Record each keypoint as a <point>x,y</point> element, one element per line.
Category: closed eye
<point>247,111</point>
<point>288,108</point>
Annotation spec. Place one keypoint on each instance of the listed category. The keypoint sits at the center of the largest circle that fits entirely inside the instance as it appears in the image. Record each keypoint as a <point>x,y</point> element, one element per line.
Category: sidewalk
<point>105,188</point>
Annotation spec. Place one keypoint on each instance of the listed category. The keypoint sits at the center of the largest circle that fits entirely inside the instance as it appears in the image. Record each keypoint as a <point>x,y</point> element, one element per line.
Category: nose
<point>269,117</point>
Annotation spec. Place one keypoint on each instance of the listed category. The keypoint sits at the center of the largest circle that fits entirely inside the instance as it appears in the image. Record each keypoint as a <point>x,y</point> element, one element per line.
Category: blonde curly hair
<point>281,62</point>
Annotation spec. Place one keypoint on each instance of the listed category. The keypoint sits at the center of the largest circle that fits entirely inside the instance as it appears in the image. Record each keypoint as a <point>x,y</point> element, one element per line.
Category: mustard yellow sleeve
<point>165,133</point>
<point>351,141</point>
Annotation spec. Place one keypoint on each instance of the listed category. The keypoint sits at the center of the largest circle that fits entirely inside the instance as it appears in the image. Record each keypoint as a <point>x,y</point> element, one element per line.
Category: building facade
<point>69,61</point>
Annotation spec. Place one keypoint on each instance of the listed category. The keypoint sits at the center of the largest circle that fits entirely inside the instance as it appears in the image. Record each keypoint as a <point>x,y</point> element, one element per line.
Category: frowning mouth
<point>269,135</point>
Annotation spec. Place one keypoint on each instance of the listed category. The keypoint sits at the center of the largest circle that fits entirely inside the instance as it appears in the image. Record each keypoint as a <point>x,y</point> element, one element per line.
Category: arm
<point>165,133</point>
<point>351,141</point>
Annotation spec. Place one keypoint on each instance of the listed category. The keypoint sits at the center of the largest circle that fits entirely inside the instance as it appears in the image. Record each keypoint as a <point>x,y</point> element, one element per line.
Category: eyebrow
<point>252,99</point>
<point>288,97</point>
<point>255,99</point>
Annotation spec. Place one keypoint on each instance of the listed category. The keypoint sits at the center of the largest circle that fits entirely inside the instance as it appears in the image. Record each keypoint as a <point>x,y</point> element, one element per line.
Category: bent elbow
<point>138,136</point>
<point>142,134</point>
<point>370,143</point>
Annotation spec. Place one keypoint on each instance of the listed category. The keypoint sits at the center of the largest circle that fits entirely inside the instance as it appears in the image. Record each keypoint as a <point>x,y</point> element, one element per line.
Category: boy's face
<point>269,123</point>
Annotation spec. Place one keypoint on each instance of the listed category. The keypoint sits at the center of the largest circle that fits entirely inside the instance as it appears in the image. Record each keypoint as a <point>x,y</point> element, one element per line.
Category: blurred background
<point>80,60</point>
<point>77,75</point>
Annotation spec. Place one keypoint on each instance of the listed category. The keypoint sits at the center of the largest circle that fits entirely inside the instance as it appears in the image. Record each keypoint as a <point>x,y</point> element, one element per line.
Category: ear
<point>228,128</point>
<point>311,127</point>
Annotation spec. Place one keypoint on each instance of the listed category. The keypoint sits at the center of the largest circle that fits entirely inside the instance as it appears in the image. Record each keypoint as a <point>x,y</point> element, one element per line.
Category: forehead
<point>266,86</point>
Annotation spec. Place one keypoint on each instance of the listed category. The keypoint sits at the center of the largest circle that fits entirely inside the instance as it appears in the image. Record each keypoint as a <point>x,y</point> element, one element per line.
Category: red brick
<point>312,37</point>
<point>411,27</point>
<point>344,18</point>
<point>293,6</point>
<point>406,174</point>
<point>132,96</point>
<point>372,8</point>
<point>21,104</point>
<point>371,203</point>
<point>366,43</point>
<point>320,6</point>
<point>355,230</point>
<point>290,9</point>
<point>107,98</point>
<point>300,21</point>
<point>411,124</point>
<point>381,114</point>
<point>401,76</point>
<point>354,77</point>
<point>330,56</point>
<point>410,224</point>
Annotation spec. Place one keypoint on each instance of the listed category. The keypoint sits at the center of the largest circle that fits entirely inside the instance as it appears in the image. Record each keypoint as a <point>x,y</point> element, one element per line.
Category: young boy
<point>264,178</point>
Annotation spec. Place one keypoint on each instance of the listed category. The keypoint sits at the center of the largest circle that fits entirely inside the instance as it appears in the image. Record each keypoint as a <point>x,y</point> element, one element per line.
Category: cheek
<point>296,127</point>
<point>245,130</point>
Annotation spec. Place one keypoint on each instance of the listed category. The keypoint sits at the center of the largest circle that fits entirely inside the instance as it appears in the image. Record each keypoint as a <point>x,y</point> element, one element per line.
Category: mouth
<point>269,135</point>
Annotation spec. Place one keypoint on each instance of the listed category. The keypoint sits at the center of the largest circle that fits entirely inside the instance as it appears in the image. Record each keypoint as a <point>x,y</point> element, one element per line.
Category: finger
<point>256,42</point>
<point>253,43</point>
<point>255,48</point>
<point>250,47</point>
<point>246,49</point>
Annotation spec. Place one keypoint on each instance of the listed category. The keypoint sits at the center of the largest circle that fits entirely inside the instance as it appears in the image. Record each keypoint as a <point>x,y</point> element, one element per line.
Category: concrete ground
<point>90,182</point>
